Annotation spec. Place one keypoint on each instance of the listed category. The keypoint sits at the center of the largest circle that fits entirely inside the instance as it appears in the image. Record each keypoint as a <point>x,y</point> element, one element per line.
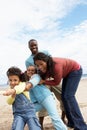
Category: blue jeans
<point>20,122</point>
<point>50,105</point>
<point>69,87</point>
<point>24,113</point>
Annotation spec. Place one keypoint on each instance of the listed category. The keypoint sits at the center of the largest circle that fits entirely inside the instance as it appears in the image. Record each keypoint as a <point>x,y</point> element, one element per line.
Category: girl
<point>42,98</point>
<point>23,109</point>
<point>53,70</point>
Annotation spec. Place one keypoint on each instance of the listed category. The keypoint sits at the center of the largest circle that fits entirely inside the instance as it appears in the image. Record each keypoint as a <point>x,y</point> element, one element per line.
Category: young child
<point>23,109</point>
<point>42,113</point>
<point>42,98</point>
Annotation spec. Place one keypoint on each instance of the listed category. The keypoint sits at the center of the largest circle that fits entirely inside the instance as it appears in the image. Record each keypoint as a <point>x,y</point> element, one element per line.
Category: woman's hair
<point>49,61</point>
<point>16,71</point>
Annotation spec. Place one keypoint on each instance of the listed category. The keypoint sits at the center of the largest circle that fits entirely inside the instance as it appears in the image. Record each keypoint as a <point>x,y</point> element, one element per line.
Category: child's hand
<point>42,81</point>
<point>9,92</point>
<point>1,92</point>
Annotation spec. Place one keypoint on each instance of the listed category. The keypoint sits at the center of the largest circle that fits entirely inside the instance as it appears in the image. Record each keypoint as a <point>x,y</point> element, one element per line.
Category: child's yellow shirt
<point>19,89</point>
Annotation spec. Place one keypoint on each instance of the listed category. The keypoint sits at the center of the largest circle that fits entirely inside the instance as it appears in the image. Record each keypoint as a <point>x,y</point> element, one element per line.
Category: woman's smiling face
<point>41,65</point>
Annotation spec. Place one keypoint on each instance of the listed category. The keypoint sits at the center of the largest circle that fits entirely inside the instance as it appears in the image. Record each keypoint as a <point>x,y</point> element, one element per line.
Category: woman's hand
<point>10,92</point>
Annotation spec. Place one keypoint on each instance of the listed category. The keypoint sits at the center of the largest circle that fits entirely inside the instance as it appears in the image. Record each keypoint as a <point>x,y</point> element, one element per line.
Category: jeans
<point>69,87</point>
<point>20,122</point>
<point>24,113</point>
<point>50,105</point>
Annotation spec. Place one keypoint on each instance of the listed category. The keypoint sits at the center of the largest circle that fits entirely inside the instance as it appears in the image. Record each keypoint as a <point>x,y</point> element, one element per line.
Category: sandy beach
<point>6,110</point>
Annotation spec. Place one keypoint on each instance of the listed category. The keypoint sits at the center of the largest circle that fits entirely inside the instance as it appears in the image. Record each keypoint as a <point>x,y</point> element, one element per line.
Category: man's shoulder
<point>45,51</point>
<point>29,61</point>
<point>29,57</point>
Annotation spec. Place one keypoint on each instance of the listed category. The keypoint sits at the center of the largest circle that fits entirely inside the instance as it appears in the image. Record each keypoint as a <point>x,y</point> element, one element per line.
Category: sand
<point>6,110</point>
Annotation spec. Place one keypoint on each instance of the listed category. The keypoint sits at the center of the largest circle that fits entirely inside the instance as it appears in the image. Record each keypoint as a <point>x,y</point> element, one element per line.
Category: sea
<point>84,76</point>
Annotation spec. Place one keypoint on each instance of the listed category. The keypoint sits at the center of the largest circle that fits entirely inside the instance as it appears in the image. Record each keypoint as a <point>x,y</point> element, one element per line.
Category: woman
<point>53,70</point>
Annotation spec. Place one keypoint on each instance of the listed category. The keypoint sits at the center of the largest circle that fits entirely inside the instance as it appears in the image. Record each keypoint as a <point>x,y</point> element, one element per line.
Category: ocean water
<point>3,86</point>
<point>84,76</point>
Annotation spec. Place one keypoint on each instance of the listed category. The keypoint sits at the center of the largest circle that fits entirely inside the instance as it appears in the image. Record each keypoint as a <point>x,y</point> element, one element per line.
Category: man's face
<point>33,47</point>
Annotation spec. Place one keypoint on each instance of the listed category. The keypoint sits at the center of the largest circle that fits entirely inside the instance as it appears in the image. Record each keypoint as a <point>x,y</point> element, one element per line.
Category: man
<point>33,46</point>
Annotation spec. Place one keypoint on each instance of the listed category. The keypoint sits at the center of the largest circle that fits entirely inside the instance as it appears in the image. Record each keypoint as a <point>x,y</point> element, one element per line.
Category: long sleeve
<point>20,88</point>
<point>62,68</point>
<point>57,77</point>
<point>10,100</point>
<point>34,80</point>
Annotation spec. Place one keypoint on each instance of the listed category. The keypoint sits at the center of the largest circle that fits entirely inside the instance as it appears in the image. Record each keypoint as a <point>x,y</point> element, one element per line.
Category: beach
<point>6,115</point>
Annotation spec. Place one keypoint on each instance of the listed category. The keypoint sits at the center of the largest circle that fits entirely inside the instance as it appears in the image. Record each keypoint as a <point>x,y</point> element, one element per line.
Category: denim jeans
<point>24,113</point>
<point>69,87</point>
<point>19,123</point>
<point>50,105</point>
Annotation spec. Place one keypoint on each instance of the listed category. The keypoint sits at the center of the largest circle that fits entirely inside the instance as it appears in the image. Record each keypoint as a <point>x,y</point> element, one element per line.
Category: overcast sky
<point>59,26</point>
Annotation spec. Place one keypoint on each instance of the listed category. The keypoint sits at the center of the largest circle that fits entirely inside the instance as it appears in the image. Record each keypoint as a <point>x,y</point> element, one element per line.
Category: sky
<point>59,26</point>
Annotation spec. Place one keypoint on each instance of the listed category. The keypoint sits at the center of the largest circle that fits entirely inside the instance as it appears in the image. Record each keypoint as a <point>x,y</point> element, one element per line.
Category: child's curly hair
<point>16,71</point>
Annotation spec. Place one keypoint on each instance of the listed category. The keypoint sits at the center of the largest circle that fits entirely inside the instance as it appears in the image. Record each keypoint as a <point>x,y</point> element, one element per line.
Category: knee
<point>67,97</point>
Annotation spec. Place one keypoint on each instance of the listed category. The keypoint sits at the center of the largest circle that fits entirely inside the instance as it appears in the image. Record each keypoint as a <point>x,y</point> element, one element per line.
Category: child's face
<point>41,65</point>
<point>13,80</point>
<point>30,71</point>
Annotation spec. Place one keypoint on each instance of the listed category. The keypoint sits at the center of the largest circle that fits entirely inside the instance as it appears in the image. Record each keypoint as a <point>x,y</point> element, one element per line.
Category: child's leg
<point>33,123</point>
<point>18,123</point>
<point>50,105</point>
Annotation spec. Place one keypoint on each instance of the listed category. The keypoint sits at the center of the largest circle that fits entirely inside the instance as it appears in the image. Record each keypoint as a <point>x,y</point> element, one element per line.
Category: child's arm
<point>9,92</point>
<point>34,80</point>
<point>10,99</point>
<point>1,92</point>
<point>16,90</point>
